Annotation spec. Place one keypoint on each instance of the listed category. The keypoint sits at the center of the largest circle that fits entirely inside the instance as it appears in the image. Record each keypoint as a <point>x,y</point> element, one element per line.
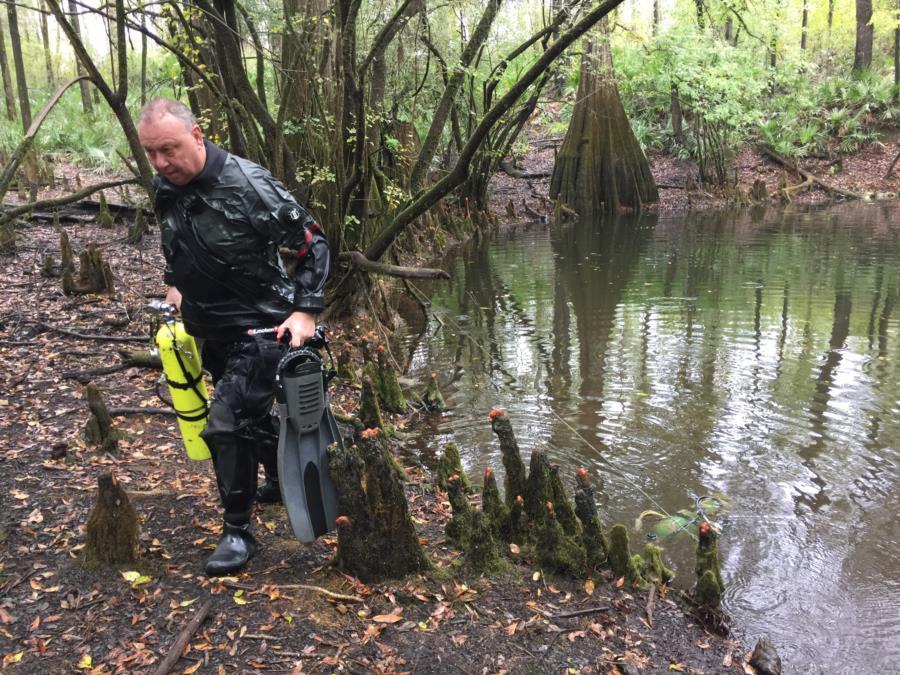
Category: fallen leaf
<point>677,667</point>
<point>514,549</point>
<point>589,586</point>
<point>192,669</point>
<point>387,618</point>
<point>86,662</point>
<point>12,658</point>
<point>620,582</point>
<point>536,576</point>
<point>511,628</point>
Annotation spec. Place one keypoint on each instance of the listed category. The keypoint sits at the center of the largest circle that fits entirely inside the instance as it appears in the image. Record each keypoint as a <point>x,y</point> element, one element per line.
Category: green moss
<point>104,216</point>
<point>514,482</point>
<point>709,578</point>
<point>369,409</point>
<point>652,567</point>
<point>595,544</point>
<point>482,554</point>
<point>450,464</point>
<point>557,551</point>
<point>622,561</point>
<point>495,510</point>
<point>708,593</point>
<point>565,513</point>
<point>391,394</point>
<point>519,530</point>
<point>433,400</point>
<point>459,529</point>
<point>376,536</point>
<point>345,370</point>
<point>538,488</point>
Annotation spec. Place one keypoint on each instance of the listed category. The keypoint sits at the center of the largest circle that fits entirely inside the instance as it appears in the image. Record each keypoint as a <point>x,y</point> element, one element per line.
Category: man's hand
<point>173,297</point>
<point>301,326</point>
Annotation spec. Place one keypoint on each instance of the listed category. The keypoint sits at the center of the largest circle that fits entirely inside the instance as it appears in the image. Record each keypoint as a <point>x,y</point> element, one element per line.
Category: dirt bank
<point>281,615</point>
<point>865,171</point>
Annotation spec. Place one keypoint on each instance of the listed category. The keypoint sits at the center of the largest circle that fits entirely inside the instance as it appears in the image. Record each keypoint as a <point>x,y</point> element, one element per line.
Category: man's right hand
<point>173,297</point>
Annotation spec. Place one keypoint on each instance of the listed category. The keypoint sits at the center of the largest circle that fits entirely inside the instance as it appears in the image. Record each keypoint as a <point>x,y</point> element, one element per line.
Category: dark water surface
<point>755,355</point>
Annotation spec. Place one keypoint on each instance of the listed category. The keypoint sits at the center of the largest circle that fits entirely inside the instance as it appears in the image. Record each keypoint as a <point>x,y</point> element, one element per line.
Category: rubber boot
<point>269,492</point>
<point>235,548</point>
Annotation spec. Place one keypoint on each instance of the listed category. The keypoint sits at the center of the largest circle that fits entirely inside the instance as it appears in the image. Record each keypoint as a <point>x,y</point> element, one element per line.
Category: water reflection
<point>752,354</point>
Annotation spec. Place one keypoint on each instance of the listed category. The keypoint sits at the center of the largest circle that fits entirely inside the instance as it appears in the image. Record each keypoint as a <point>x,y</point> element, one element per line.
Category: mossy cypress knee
<point>514,482</point>
<point>369,409</point>
<point>482,553</point>
<point>652,567</point>
<point>595,544</point>
<point>622,561</point>
<point>556,551</point>
<point>538,488</point>
<point>493,507</point>
<point>104,216</point>
<point>519,530</point>
<point>433,400</point>
<point>345,370</point>
<point>112,528</point>
<point>459,529</point>
<point>562,505</point>
<point>450,464</point>
<point>391,394</point>
<point>377,540</point>
<point>710,586</point>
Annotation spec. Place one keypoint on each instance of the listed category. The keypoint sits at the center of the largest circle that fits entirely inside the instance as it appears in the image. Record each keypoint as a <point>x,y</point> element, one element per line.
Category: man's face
<point>175,151</point>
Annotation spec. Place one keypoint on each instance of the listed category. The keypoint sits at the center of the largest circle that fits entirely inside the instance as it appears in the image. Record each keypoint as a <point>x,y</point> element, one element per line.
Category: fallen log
<point>511,171</point>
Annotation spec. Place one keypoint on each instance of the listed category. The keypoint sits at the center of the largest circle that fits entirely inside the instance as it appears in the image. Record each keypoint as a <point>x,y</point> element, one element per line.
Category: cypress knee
<point>112,528</point>
<point>514,483</point>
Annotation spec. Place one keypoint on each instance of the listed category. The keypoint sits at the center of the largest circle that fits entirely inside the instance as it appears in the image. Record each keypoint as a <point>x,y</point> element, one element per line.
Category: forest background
<point>389,118</point>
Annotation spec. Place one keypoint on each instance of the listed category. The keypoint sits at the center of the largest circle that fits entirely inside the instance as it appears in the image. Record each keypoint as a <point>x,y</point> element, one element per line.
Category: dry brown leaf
<point>387,618</point>
<point>589,586</point>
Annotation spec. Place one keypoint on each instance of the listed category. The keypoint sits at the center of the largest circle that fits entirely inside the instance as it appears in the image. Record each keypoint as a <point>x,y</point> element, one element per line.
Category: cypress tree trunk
<point>21,81</point>
<point>8,91</point>
<point>862,56</point>
<point>86,104</point>
<point>45,39</point>
<point>601,167</point>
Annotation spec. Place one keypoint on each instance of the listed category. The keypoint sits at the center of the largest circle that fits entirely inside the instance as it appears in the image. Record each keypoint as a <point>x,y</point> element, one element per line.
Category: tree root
<point>808,176</point>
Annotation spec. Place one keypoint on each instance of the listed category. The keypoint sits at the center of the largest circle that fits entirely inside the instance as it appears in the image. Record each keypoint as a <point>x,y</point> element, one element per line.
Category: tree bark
<point>86,104</point>
<point>897,54</point>
<point>862,55</point>
<point>804,24</point>
<point>21,79</point>
<point>601,167</point>
<point>8,90</point>
<point>45,40</point>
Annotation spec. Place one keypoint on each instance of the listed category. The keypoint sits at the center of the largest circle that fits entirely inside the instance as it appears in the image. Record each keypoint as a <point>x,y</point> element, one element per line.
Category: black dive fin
<point>307,430</point>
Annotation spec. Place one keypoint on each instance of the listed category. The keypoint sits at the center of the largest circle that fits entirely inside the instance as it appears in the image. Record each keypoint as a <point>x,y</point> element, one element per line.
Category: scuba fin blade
<point>307,431</point>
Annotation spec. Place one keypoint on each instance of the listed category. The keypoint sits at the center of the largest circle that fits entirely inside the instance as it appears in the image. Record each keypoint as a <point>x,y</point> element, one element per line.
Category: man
<point>222,220</point>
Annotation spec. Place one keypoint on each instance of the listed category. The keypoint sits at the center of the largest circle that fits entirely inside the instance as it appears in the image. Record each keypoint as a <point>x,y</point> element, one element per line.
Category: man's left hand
<point>301,327</point>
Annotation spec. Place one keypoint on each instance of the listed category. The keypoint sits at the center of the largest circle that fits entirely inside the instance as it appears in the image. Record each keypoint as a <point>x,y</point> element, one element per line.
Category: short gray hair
<point>167,106</point>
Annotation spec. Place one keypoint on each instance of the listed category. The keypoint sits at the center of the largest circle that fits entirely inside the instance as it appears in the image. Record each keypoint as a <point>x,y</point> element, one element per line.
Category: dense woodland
<point>389,120</point>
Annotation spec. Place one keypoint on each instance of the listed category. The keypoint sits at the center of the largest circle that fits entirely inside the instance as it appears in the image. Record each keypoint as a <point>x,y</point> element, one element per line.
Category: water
<point>754,354</point>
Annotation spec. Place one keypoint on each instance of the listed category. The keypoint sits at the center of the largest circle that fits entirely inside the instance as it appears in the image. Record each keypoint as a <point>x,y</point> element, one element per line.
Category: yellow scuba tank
<point>184,375</point>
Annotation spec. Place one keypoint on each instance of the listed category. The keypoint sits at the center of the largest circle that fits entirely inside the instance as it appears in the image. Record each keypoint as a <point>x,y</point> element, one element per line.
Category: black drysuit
<point>221,235</point>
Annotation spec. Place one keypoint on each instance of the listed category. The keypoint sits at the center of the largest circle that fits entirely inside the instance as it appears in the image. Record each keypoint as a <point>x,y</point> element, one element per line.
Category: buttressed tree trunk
<point>601,167</point>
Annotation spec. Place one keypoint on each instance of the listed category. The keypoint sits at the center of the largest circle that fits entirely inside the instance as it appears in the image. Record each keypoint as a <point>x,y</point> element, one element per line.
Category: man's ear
<point>197,134</point>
